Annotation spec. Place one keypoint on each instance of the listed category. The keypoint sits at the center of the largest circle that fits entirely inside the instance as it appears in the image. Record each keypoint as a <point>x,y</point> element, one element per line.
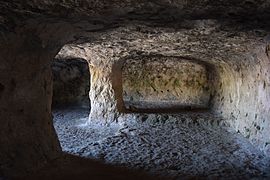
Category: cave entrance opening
<point>71,83</point>
<point>165,84</point>
<point>70,100</point>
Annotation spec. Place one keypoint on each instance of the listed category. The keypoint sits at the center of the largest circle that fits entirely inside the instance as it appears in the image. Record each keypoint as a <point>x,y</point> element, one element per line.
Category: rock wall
<point>237,58</point>
<point>71,82</point>
<point>28,139</point>
<point>32,32</point>
<point>243,97</point>
<point>69,8</point>
<point>165,83</point>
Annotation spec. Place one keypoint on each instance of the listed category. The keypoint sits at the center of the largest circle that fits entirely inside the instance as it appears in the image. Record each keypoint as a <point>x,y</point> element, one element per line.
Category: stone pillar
<point>28,139</point>
<point>105,80</point>
<point>102,95</point>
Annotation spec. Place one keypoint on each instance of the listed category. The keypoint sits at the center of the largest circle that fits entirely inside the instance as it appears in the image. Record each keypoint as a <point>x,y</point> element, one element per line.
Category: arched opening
<point>148,137</point>
<point>166,84</point>
<point>70,100</point>
<point>71,83</point>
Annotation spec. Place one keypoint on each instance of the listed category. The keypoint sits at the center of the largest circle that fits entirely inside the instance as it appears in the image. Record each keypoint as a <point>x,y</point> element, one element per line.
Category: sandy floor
<point>168,145</point>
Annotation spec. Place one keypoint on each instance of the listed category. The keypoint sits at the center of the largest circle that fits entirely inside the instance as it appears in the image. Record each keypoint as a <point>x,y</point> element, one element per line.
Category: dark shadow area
<point>71,83</point>
<point>174,110</point>
<point>74,167</point>
<point>233,15</point>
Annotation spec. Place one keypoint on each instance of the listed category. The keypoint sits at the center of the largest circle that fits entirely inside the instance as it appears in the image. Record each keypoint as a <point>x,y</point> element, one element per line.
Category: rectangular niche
<point>164,83</point>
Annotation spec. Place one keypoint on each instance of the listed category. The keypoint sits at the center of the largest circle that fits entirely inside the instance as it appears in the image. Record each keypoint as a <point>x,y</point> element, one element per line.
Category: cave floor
<point>167,145</point>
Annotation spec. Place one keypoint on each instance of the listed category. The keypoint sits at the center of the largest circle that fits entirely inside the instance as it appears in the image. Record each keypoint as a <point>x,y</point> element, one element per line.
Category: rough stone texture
<point>229,35</point>
<point>164,82</point>
<point>71,82</point>
<point>69,8</point>
<point>28,139</point>
<point>27,135</point>
<point>234,55</point>
<point>175,146</point>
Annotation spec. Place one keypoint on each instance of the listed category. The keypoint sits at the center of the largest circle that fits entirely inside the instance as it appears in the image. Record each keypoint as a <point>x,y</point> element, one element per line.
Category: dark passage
<point>71,83</point>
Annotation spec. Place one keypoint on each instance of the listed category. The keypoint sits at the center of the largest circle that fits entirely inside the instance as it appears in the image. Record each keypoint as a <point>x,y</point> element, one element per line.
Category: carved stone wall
<point>165,83</point>
<point>230,35</point>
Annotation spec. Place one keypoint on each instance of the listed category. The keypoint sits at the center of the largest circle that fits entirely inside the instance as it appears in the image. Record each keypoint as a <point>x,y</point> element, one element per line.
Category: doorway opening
<point>165,84</point>
<point>71,83</point>
<point>70,102</point>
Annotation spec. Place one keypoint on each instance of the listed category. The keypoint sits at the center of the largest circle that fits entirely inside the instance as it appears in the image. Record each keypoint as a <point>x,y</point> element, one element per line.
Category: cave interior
<point>125,89</point>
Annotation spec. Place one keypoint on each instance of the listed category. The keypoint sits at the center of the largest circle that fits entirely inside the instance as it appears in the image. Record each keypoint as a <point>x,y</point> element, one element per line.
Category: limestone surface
<point>230,36</point>
<point>235,56</point>
<point>164,83</point>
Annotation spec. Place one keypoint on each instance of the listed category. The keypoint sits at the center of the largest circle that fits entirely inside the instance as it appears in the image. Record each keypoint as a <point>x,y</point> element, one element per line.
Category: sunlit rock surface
<point>165,83</point>
<point>236,56</point>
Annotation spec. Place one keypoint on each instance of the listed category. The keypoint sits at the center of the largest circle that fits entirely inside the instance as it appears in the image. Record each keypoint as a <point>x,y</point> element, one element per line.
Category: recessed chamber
<point>165,83</point>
